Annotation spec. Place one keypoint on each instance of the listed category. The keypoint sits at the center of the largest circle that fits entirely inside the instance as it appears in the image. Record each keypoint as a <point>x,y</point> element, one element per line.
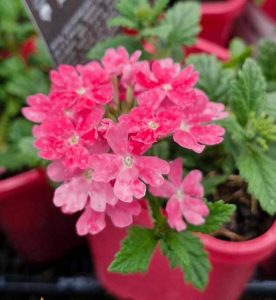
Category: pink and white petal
<point>122,213</point>
<point>209,134</point>
<point>123,184</point>
<point>176,170</point>
<point>34,115</point>
<point>57,172</point>
<point>151,98</point>
<point>194,210</point>
<point>174,212</point>
<point>138,189</point>
<point>100,195</point>
<point>117,138</point>
<point>77,157</point>
<point>166,190</point>
<point>151,169</point>
<point>187,140</point>
<point>105,166</point>
<point>152,162</point>
<point>191,184</point>
<point>90,222</point>
<point>72,196</point>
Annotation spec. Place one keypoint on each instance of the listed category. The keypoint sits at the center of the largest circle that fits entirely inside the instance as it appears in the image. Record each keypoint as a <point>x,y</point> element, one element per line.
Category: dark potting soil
<point>249,220</point>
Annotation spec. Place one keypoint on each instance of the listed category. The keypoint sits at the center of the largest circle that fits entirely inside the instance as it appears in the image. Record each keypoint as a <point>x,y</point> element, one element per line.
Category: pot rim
<point>230,6</point>
<point>20,180</point>
<point>260,244</point>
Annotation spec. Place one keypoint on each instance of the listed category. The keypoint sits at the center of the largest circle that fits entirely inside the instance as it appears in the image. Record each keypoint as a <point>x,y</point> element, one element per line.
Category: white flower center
<point>128,161</point>
<point>167,87</point>
<point>153,125</point>
<point>184,126</point>
<point>81,91</point>
<point>73,140</point>
<point>179,194</point>
<point>68,113</point>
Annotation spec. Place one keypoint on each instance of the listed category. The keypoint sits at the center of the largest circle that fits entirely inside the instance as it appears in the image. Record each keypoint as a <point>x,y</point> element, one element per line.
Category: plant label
<point>71,27</point>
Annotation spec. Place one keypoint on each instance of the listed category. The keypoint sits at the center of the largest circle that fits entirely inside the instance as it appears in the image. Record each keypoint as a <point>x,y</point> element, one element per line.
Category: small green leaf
<point>122,22</point>
<point>270,104</point>
<point>213,79</point>
<point>248,91</point>
<point>211,182</point>
<point>130,43</point>
<point>184,250</point>
<point>179,27</point>
<point>266,58</point>
<point>259,170</point>
<point>219,214</point>
<point>136,251</point>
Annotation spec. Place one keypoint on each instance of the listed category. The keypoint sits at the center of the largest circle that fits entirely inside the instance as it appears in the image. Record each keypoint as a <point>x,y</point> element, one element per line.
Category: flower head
<point>185,204</point>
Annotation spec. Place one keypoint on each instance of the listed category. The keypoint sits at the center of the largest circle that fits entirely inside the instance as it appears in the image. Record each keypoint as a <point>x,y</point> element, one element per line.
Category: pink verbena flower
<point>39,108</point>
<point>121,215</point>
<point>192,128</point>
<point>128,170</point>
<point>74,194</point>
<point>147,126</point>
<point>62,139</point>
<point>88,84</point>
<point>117,61</point>
<point>166,80</point>
<point>185,204</point>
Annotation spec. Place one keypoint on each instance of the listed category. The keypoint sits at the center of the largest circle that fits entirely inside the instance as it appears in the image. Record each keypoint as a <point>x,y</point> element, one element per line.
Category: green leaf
<point>123,22</point>
<point>219,214</point>
<point>158,8</point>
<point>211,182</point>
<point>259,170</point>
<point>248,91</point>
<point>213,80</point>
<point>270,104</point>
<point>266,58</point>
<point>239,53</point>
<point>185,251</point>
<point>19,128</point>
<point>130,43</point>
<point>136,251</point>
<point>179,27</point>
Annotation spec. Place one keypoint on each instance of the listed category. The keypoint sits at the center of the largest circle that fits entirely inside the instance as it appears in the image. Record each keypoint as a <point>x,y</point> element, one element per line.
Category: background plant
<point>23,71</point>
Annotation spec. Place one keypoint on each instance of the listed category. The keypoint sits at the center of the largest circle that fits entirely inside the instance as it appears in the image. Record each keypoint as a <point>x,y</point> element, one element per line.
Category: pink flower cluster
<point>98,121</point>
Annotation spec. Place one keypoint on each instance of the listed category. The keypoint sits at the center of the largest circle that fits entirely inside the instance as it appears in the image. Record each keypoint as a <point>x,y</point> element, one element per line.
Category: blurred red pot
<point>34,227</point>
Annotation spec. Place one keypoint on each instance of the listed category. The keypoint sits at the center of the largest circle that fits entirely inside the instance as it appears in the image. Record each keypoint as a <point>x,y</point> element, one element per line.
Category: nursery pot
<point>269,7</point>
<point>204,46</point>
<point>233,263</point>
<point>218,19</point>
<point>32,224</point>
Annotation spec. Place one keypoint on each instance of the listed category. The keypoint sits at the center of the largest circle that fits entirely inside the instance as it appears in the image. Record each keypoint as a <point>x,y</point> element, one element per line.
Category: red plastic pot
<point>269,7</point>
<point>233,263</point>
<point>218,19</point>
<point>32,224</point>
<point>204,46</point>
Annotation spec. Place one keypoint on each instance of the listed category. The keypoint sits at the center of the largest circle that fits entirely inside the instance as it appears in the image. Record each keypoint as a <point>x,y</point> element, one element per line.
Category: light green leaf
<point>130,43</point>
<point>136,251</point>
<point>211,182</point>
<point>219,214</point>
<point>248,91</point>
<point>213,79</point>
<point>158,8</point>
<point>122,22</point>
<point>180,25</point>
<point>259,170</point>
<point>185,251</point>
<point>270,104</point>
<point>266,58</point>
